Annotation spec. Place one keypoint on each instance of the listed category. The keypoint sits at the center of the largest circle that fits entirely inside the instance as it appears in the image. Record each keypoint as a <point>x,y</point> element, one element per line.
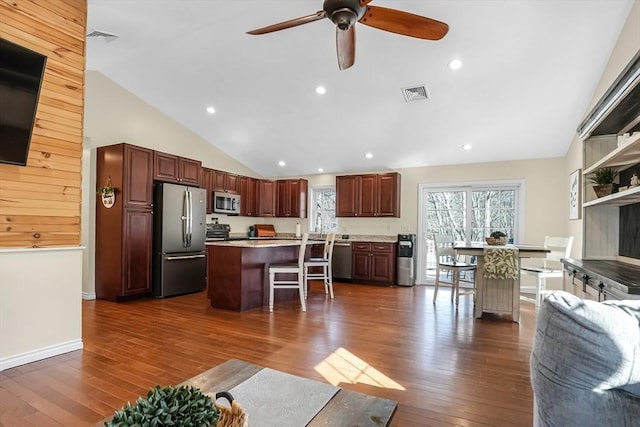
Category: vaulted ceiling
<point>529,70</point>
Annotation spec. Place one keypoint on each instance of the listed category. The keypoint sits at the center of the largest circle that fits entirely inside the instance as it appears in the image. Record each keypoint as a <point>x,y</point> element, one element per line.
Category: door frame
<point>463,186</point>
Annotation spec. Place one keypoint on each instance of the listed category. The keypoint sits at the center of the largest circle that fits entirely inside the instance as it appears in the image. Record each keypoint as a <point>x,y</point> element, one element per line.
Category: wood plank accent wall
<point>40,203</point>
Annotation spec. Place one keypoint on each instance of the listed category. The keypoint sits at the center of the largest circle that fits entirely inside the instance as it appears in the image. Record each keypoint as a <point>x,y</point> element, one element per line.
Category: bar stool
<point>324,263</point>
<point>290,268</point>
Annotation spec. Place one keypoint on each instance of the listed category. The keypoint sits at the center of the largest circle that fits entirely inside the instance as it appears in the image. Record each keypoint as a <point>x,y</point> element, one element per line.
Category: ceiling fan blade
<point>346,47</point>
<point>290,23</point>
<point>408,24</point>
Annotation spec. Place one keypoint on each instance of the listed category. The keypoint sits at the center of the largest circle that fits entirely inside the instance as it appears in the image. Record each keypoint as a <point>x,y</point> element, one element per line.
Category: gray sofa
<point>585,364</point>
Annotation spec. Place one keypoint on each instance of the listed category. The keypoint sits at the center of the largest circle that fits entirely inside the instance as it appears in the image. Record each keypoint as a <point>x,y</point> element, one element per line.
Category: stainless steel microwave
<point>226,203</point>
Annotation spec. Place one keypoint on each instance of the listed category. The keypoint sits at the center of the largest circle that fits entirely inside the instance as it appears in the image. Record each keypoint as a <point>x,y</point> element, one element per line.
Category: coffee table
<point>345,408</point>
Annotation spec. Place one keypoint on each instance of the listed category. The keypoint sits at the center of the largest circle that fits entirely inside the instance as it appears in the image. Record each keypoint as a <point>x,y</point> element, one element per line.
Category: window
<point>469,213</point>
<point>323,209</point>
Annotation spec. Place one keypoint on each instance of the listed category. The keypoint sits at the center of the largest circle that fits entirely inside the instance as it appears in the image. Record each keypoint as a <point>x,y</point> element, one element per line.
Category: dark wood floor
<point>442,366</point>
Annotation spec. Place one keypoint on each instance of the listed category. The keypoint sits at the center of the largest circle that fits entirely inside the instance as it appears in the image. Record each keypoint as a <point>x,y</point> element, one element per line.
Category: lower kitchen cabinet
<point>373,262</point>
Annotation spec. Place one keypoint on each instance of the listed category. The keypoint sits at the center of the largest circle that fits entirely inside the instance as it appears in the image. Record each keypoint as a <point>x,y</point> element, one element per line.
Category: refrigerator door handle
<point>185,218</point>
<point>190,218</point>
<point>176,258</point>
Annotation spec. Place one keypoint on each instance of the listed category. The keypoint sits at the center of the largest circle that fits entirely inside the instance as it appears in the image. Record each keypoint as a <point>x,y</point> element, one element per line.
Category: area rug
<point>274,398</point>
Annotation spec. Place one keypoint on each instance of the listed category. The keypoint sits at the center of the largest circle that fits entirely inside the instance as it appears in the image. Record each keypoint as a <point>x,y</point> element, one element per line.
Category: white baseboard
<point>39,354</point>
<point>88,295</point>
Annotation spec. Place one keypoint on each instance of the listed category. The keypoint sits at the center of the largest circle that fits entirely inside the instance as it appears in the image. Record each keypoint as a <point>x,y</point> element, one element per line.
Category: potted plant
<point>497,238</point>
<point>107,194</point>
<point>182,406</point>
<point>603,181</point>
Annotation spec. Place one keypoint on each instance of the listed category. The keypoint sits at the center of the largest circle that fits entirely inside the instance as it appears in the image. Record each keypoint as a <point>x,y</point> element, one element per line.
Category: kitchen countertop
<point>259,243</point>
<point>315,238</point>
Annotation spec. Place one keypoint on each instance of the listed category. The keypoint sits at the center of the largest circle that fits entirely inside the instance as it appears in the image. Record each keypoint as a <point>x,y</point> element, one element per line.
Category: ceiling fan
<point>345,13</point>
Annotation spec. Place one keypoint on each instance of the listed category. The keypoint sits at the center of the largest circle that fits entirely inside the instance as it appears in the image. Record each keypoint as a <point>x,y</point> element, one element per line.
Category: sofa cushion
<point>584,354</point>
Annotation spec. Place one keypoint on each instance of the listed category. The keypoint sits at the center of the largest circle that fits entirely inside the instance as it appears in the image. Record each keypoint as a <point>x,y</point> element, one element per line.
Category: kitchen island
<point>237,276</point>
<point>494,295</point>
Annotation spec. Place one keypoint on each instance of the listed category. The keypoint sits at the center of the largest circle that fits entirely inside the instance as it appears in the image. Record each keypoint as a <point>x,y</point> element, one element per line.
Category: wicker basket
<point>493,241</point>
<point>231,416</point>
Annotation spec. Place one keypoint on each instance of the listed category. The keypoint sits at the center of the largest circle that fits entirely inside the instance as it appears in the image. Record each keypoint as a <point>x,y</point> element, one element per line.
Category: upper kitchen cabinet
<point>207,184</point>
<point>248,196</point>
<point>266,198</point>
<point>370,195</point>
<point>347,195</point>
<point>226,182</point>
<point>291,198</point>
<point>172,168</point>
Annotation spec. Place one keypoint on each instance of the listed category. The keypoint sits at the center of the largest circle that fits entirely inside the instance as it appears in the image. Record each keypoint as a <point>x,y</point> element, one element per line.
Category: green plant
<point>183,406</point>
<point>106,190</point>
<point>497,235</point>
<point>603,176</point>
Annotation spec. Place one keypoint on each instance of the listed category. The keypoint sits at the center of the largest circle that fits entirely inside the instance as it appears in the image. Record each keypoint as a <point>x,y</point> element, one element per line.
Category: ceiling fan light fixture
<point>344,18</point>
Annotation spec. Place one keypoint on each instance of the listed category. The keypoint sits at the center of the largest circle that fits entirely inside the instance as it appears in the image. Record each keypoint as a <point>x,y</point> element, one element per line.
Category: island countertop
<point>269,243</point>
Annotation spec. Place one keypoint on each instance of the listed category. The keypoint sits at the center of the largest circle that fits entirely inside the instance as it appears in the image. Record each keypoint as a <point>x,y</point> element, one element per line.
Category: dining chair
<point>324,263</point>
<point>289,269</point>
<point>560,247</point>
<point>447,260</point>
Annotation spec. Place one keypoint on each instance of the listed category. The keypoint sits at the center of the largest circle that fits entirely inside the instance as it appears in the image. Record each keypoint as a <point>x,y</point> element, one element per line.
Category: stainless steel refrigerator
<point>179,263</point>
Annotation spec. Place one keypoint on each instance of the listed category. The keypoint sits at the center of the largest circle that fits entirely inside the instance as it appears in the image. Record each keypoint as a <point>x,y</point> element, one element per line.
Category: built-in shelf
<point>621,198</point>
<point>623,157</point>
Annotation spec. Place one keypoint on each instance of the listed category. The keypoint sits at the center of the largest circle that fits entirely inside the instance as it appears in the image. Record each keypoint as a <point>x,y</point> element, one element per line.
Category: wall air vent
<point>415,93</point>
<point>101,35</point>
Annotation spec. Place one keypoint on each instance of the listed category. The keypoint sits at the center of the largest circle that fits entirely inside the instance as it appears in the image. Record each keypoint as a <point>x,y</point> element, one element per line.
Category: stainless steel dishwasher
<point>341,262</point>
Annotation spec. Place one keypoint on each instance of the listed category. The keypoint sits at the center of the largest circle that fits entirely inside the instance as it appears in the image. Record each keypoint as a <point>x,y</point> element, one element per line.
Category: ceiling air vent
<point>415,93</point>
<point>101,35</point>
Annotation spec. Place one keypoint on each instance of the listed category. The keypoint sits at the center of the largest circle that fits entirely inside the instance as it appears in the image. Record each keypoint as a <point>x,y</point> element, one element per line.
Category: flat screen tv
<point>21,72</point>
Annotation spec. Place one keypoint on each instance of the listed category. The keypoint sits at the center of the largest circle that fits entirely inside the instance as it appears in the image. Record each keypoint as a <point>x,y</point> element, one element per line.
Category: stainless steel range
<point>611,279</point>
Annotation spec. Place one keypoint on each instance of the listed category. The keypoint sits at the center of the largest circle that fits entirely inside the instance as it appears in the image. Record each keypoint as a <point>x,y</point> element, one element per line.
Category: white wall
<point>50,279</point>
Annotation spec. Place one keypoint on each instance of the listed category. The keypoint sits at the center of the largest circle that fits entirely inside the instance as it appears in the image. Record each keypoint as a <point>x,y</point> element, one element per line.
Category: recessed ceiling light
<point>369,156</point>
<point>455,64</point>
<point>282,163</point>
<point>466,147</point>
<point>320,170</point>
<point>321,90</point>
<point>211,110</point>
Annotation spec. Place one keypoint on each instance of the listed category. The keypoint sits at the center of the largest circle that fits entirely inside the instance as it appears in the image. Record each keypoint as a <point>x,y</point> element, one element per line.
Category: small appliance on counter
<point>217,231</point>
<point>265,230</point>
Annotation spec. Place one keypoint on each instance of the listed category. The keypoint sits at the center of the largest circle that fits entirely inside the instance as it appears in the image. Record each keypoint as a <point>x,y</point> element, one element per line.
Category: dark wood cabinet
<point>124,232</point>
<point>266,198</point>
<point>138,229</point>
<point>388,197</point>
<point>171,168</point>
<point>370,195</point>
<point>291,198</point>
<point>207,183</point>
<point>226,182</point>
<point>373,262</point>
<point>248,188</point>
<point>347,196</point>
